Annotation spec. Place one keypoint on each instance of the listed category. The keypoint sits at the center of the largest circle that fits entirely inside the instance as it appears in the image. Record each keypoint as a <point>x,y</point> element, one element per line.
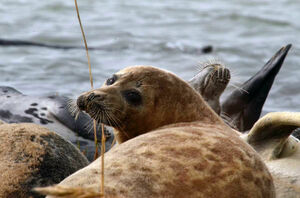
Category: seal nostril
<point>91,97</point>
<point>99,97</point>
<point>80,103</point>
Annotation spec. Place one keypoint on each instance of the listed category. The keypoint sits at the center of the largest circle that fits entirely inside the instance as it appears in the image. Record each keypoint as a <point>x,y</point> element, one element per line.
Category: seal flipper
<point>244,107</point>
<point>271,135</point>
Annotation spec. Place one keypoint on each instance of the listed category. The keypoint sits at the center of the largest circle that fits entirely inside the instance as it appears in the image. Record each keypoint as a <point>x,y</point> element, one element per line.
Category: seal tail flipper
<point>271,134</point>
<point>244,107</point>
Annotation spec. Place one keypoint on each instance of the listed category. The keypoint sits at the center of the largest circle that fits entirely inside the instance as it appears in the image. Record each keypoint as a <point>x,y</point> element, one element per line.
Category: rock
<point>32,156</point>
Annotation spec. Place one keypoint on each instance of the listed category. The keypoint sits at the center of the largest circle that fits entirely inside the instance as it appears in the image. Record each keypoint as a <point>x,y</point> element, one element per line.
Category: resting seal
<point>271,138</point>
<point>178,146</point>
<point>242,108</point>
<point>53,113</point>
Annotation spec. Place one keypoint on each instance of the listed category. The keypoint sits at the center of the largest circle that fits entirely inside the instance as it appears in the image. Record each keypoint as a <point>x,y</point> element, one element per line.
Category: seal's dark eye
<point>133,97</point>
<point>111,80</point>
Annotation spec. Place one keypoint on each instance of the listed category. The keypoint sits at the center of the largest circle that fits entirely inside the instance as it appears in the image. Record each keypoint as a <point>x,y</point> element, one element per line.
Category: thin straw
<point>92,86</point>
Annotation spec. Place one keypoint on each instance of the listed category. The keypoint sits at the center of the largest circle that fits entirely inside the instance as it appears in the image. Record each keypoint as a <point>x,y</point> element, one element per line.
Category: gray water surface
<point>168,34</point>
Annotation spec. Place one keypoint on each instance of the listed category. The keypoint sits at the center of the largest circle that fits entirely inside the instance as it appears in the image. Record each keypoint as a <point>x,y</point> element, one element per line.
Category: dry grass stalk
<point>90,74</point>
<point>92,86</point>
<point>102,159</point>
<point>69,192</point>
<point>78,192</point>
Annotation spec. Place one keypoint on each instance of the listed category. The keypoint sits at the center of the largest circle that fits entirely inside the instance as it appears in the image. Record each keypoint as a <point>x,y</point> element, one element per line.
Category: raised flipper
<point>271,138</point>
<point>243,107</point>
<point>276,129</point>
<point>210,83</point>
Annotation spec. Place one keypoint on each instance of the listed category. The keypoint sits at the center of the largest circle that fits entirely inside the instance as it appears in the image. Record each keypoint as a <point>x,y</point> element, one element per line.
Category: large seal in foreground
<point>183,148</point>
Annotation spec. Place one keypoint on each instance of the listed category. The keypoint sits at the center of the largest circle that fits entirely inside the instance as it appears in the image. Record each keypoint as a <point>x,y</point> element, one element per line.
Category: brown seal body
<point>181,147</point>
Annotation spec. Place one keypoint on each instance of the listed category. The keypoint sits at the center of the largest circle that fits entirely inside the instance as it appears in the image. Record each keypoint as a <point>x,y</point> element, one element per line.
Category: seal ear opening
<point>275,128</point>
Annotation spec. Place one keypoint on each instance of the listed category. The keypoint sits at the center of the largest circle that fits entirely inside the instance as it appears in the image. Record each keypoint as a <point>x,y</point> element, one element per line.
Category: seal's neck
<point>120,136</point>
<point>199,112</point>
<point>168,105</point>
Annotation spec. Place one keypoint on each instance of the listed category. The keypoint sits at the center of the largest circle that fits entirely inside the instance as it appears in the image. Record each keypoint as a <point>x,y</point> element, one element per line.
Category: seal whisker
<point>99,116</point>
<point>239,88</point>
<point>107,117</point>
<point>89,126</point>
<point>72,107</point>
<point>113,119</point>
<point>110,105</point>
<point>207,63</point>
<point>118,123</point>
<point>228,120</point>
<point>77,115</point>
<point>116,120</point>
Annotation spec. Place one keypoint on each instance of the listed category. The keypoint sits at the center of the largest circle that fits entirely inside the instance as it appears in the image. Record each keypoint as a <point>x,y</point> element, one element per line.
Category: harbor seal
<point>178,146</point>
<point>53,113</point>
<point>271,138</point>
<point>243,106</point>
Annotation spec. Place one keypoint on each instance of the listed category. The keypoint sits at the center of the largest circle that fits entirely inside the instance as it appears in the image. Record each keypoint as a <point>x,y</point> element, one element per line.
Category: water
<point>167,34</point>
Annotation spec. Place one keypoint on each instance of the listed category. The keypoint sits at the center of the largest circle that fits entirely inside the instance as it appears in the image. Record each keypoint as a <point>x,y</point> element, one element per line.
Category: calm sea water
<point>167,34</point>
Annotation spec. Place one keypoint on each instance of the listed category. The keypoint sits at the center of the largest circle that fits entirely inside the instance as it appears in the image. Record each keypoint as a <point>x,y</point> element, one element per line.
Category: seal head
<point>146,95</point>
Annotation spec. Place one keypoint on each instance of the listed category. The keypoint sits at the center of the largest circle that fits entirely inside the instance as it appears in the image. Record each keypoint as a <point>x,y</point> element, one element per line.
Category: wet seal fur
<point>178,146</point>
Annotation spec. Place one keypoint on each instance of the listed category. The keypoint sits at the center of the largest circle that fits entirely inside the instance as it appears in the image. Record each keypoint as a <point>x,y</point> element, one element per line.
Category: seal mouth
<point>96,107</point>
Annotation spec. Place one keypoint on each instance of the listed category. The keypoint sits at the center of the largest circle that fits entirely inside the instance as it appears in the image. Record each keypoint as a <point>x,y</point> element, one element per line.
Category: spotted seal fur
<point>177,147</point>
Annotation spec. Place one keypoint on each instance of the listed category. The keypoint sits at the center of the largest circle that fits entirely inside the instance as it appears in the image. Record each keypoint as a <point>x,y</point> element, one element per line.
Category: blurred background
<point>168,34</point>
